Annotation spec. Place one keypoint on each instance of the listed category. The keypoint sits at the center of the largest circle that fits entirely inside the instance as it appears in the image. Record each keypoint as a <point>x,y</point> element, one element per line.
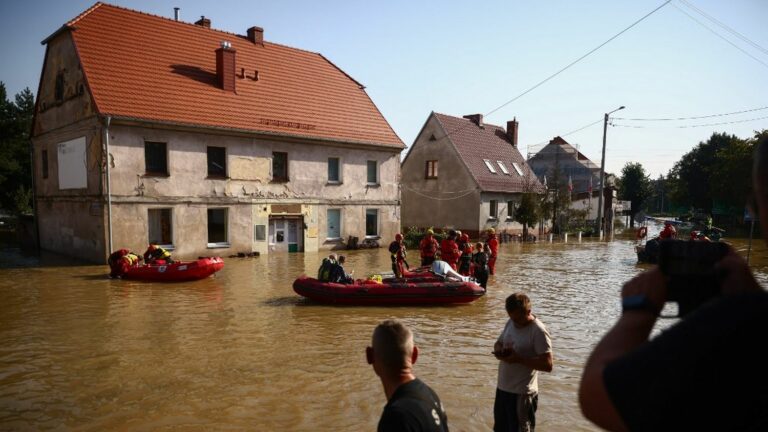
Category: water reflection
<point>242,351</point>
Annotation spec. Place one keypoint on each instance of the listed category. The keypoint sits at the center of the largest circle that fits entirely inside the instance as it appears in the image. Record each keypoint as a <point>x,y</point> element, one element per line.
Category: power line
<point>723,25</point>
<point>577,60</point>
<point>691,118</point>
<point>721,36</point>
<point>563,69</point>
<point>688,126</point>
<point>566,134</point>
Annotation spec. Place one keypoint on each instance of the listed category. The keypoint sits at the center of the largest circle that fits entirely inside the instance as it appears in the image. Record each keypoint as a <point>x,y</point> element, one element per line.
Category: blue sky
<point>458,57</point>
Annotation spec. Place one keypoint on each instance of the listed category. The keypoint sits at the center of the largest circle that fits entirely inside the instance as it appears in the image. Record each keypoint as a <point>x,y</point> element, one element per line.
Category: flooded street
<point>241,351</point>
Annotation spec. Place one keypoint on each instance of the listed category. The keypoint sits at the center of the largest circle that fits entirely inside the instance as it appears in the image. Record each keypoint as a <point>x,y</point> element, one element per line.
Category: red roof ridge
<point>82,15</point>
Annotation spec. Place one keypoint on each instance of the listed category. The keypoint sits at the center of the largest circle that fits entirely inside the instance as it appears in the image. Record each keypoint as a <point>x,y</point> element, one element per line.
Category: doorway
<point>286,234</point>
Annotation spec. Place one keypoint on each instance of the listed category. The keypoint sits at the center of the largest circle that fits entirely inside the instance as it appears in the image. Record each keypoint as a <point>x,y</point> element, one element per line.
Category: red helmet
<point>465,237</point>
<point>398,236</point>
<point>152,247</point>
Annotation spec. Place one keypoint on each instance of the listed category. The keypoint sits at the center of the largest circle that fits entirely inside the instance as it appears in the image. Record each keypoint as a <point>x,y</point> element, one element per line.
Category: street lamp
<point>600,224</point>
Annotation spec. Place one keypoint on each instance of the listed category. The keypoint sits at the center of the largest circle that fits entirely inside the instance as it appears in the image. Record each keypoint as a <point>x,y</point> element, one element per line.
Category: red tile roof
<point>141,66</point>
<point>475,144</point>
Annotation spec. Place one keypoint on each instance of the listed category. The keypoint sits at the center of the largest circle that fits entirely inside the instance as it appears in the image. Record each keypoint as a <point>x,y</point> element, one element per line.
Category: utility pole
<point>599,222</point>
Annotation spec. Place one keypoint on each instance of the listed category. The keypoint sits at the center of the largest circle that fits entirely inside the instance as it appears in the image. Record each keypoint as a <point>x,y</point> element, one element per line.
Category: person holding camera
<point>523,348</point>
<point>699,374</point>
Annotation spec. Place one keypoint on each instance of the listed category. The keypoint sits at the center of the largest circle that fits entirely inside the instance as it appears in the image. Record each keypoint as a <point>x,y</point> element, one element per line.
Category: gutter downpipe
<point>108,120</point>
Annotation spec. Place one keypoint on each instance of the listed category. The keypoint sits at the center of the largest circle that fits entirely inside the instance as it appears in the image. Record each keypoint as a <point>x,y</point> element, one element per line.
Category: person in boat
<point>121,261</point>
<point>449,250</point>
<point>398,256</point>
<point>324,272</point>
<point>338,274</point>
<point>683,378</point>
<point>444,269</point>
<point>492,244</point>
<point>157,255</point>
<point>669,231</point>
<point>523,349</point>
<point>411,404</point>
<point>480,264</point>
<point>428,248</point>
<point>465,258</point>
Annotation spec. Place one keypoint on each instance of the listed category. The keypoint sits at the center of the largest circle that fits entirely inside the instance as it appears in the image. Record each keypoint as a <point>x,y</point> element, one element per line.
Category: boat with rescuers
<point>178,271</point>
<point>416,287</point>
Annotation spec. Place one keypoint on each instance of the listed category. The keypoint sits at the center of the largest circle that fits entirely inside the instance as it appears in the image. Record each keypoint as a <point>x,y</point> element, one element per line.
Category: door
<point>277,235</point>
<point>293,243</point>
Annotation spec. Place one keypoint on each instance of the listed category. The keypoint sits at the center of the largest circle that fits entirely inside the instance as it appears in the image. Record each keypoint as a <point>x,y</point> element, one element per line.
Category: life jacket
<point>493,244</point>
<point>115,256</point>
<point>156,253</point>
<point>394,247</point>
<point>131,258</point>
<point>324,272</point>
<point>448,250</point>
<point>428,247</point>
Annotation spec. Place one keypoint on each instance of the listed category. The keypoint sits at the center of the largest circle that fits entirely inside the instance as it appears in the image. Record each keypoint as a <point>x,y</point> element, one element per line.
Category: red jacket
<point>493,244</point>
<point>428,247</point>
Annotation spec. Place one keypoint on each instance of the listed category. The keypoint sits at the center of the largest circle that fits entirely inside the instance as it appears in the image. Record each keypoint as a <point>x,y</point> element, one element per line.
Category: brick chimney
<point>512,131</point>
<point>256,35</point>
<point>475,118</point>
<point>225,67</point>
<point>203,22</point>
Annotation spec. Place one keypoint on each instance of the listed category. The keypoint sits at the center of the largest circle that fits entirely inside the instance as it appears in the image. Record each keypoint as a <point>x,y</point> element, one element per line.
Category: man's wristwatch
<point>638,302</point>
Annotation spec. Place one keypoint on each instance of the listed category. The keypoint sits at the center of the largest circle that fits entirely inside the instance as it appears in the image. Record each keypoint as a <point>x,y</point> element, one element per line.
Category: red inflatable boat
<point>427,290</point>
<point>179,271</point>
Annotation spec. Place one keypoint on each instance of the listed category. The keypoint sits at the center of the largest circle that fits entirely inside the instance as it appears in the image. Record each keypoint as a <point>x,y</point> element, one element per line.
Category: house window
<point>160,227</point>
<point>44,160</point>
<point>373,172</point>
<point>58,91</point>
<point>334,224</point>
<point>217,227</point>
<point>371,223</point>
<point>259,233</point>
<point>217,162</point>
<point>334,174</point>
<point>489,165</point>
<point>510,210</point>
<point>494,213</point>
<point>503,167</point>
<point>517,168</point>
<point>155,158</point>
<point>431,169</point>
<point>279,166</point>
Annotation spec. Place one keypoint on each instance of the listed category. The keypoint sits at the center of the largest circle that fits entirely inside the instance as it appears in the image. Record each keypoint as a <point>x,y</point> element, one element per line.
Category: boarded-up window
<point>156,158</point>
<point>72,164</point>
<point>431,169</point>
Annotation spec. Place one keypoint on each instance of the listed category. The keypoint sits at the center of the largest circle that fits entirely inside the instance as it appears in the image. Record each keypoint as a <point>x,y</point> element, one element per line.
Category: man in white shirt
<point>523,349</point>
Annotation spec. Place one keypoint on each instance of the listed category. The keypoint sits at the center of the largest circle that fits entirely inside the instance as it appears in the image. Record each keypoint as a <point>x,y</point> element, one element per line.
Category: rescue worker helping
<point>121,261</point>
<point>492,247</point>
<point>428,248</point>
<point>397,251</point>
<point>157,255</point>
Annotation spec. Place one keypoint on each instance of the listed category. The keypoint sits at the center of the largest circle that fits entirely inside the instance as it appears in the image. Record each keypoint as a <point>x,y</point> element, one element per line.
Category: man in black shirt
<point>411,404</point>
<point>700,374</point>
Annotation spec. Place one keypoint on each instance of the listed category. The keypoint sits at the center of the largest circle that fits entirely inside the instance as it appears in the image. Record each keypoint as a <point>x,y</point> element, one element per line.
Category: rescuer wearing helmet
<point>155,253</point>
<point>428,248</point>
<point>492,243</point>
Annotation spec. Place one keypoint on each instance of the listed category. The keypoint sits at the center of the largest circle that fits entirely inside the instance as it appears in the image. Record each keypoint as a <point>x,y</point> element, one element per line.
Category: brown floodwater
<point>241,351</point>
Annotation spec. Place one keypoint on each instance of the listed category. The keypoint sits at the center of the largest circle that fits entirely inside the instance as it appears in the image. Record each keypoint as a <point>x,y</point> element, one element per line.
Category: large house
<point>464,174</point>
<point>153,130</point>
<point>564,166</point>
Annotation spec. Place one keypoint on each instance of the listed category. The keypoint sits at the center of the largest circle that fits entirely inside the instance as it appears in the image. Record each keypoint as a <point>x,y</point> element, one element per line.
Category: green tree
<point>734,163</point>
<point>691,178</point>
<point>634,186</point>
<point>15,165</point>
<point>527,212</point>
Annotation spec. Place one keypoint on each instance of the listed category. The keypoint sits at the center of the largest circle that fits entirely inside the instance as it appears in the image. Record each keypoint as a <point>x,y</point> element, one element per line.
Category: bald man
<point>411,404</point>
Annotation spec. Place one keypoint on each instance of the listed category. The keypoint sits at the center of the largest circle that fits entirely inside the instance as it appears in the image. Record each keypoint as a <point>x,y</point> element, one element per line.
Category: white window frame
<point>367,164</point>
<point>338,160</point>
<point>489,165</point>
<point>378,223</point>
<point>503,167</point>
<point>168,246</point>
<point>225,243</point>
<point>517,168</point>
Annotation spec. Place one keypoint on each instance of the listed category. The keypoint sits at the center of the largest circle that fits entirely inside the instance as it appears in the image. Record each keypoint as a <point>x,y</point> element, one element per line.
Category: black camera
<point>690,270</point>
